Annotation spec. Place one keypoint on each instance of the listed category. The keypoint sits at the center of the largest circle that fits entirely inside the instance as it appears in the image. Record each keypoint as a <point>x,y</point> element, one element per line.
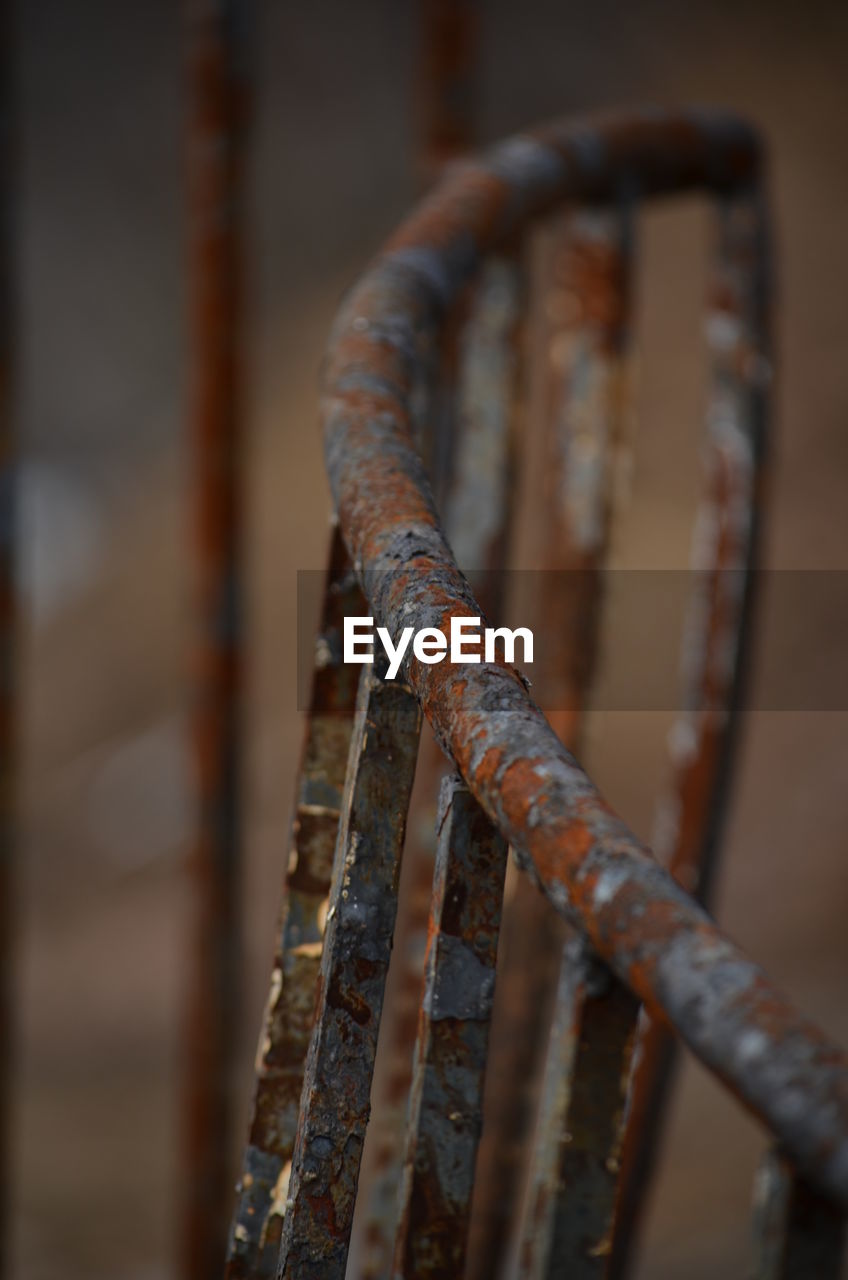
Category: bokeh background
<point>106,807</point>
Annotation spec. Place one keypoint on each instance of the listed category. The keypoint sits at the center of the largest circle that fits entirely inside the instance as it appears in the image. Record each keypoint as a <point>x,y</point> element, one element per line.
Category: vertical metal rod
<point>254,1244</point>
<point>216,108</point>
<point>716,645</point>
<point>443,131</point>
<point>486,391</point>
<point>446,1099</point>
<point>569,1211</point>
<point>449,31</point>
<point>480,490</point>
<point>798,1234</point>
<point>335,1101</point>
<point>8,450</point>
<point>586,315</point>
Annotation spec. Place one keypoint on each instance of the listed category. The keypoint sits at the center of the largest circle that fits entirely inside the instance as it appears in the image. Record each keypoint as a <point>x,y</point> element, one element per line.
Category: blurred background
<point>106,810</point>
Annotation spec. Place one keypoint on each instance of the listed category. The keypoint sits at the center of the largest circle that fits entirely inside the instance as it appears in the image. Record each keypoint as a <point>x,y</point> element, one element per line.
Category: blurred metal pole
<point>585,274</point>
<point>7,631</point>
<point>798,1233</point>
<point>445,124</point>
<point>717,644</point>
<point>216,108</point>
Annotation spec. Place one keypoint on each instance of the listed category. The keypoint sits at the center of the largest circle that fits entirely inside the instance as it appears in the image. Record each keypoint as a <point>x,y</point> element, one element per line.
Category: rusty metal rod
<point>445,101</point>
<point>335,1102</point>
<point>254,1244</point>
<point>8,629</point>
<point>585,287</point>
<point>725,551</point>
<point>443,129</point>
<point>799,1236</point>
<point>216,110</point>
<point>446,1098</point>
<point>569,1215</point>
<point>485,379</point>
<point>651,933</point>
<point>587,312</point>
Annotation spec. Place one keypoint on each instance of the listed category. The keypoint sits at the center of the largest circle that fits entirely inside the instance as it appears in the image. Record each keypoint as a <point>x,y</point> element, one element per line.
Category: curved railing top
<point>591,866</point>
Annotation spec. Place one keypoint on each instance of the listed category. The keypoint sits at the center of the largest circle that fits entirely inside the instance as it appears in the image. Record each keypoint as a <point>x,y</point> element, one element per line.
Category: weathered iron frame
<point>651,938</point>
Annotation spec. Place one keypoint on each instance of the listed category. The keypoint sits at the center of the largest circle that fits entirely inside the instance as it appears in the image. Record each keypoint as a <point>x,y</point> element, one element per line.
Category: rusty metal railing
<point>639,938</point>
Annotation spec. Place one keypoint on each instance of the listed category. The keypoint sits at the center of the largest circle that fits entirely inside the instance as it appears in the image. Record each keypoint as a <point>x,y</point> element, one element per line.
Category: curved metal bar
<point>594,870</point>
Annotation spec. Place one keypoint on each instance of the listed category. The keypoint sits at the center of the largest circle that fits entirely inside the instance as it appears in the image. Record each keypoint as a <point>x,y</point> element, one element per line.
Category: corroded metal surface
<point>799,1235</point>
<point>281,1056</point>
<point>587,305</point>
<point>587,1170</point>
<point>587,314</point>
<point>480,491</point>
<point>484,379</point>
<point>585,288</point>
<point>651,933</point>
<point>359,925</point>
<point>724,555</point>
<point>375,1222</point>
<point>446,1098</point>
<point>568,1218</point>
<point>570,1188</point>
<point>216,106</point>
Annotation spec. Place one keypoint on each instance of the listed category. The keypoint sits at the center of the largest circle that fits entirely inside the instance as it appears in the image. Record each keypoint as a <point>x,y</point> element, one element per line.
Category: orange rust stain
<point>521,788</point>
<point>488,767</point>
<point>559,855</point>
<point>324,1210</point>
<point>469,203</point>
<point>361,403</point>
<point>361,346</point>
